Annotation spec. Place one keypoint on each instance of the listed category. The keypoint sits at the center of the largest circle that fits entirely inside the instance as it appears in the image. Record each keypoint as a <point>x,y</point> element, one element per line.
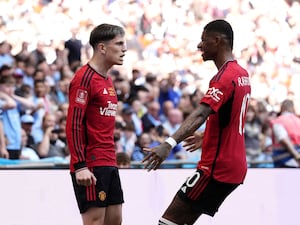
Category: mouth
<point>200,51</point>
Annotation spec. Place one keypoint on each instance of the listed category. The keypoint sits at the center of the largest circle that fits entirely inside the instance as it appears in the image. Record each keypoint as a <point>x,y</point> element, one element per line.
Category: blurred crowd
<point>43,42</point>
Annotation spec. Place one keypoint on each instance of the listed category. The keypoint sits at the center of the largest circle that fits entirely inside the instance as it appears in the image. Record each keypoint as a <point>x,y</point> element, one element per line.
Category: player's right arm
<point>75,129</point>
<point>76,133</point>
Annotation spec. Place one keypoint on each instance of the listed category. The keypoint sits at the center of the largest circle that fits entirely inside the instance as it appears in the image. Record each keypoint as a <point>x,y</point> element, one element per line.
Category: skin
<point>3,151</point>
<point>213,47</point>
<point>106,54</point>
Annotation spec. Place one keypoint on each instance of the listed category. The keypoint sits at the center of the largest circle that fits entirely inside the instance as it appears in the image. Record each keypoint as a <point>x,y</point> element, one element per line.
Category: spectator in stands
<point>139,108</point>
<point>27,153</point>
<point>18,74</point>
<point>37,55</point>
<point>11,115</point>
<point>252,134</point>
<point>23,53</point>
<point>51,145</point>
<point>29,71</point>
<point>151,118</point>
<point>6,57</point>
<point>143,141</point>
<point>6,70</point>
<point>38,75</point>
<point>73,46</point>
<point>157,134</point>
<point>119,126</point>
<point>173,121</point>
<point>60,94</point>
<point>27,121</point>
<point>123,160</point>
<point>265,159</point>
<point>61,130</point>
<point>43,104</point>
<point>128,138</point>
<point>130,117</point>
<point>286,136</point>
<point>3,152</point>
<point>169,90</point>
<point>166,107</point>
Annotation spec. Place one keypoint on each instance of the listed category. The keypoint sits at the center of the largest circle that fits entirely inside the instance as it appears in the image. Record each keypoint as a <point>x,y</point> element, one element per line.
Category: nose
<point>124,48</point>
<point>199,46</point>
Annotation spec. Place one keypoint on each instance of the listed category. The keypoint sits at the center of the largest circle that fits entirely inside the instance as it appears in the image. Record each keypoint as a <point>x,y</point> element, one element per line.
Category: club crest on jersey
<point>102,196</point>
<point>111,91</point>
<point>81,96</point>
<point>214,93</point>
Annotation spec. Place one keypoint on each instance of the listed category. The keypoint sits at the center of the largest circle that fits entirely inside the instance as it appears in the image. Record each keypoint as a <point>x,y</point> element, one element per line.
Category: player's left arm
<point>159,153</point>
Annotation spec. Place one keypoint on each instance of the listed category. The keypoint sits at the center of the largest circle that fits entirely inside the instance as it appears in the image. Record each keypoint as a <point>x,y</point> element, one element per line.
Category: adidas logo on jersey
<point>105,91</point>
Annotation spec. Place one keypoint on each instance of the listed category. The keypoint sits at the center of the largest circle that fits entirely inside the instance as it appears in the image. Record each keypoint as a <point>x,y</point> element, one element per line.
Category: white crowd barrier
<point>45,197</point>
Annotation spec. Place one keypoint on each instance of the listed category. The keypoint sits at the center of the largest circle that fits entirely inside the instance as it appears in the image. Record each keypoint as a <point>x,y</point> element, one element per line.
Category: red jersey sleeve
<point>220,91</point>
<point>75,128</point>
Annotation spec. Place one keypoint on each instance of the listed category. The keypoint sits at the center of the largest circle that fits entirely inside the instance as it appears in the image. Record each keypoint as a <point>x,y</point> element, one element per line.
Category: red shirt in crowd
<point>223,148</point>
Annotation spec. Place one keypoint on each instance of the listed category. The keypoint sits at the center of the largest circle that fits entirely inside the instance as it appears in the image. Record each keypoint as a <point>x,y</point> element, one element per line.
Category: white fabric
<point>163,221</point>
<point>171,141</point>
<point>279,132</point>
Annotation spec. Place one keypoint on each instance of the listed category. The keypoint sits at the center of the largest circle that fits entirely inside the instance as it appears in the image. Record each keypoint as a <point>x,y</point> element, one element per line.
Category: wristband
<point>171,141</point>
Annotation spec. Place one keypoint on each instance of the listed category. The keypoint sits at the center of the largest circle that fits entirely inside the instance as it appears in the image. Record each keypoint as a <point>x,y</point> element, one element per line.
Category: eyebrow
<point>120,42</point>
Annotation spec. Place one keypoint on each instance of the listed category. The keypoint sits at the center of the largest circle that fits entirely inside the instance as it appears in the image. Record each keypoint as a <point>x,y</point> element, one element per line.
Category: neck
<point>223,62</point>
<point>99,69</point>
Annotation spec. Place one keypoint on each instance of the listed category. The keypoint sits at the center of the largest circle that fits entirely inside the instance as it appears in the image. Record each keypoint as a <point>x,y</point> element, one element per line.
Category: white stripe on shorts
<point>163,221</point>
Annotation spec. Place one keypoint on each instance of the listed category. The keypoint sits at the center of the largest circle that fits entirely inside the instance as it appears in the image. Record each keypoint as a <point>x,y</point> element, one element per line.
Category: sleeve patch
<point>214,93</point>
<point>81,96</point>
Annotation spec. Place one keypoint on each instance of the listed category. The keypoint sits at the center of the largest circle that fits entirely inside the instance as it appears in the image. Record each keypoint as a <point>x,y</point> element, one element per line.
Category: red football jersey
<point>223,149</point>
<point>91,120</point>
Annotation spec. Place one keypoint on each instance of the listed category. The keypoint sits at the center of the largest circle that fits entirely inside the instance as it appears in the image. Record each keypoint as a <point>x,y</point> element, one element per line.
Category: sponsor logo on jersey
<point>110,110</point>
<point>81,96</point>
<point>102,195</point>
<point>214,93</point>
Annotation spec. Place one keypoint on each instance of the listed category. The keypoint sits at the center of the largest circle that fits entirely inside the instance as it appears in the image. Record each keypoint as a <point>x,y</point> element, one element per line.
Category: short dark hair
<point>105,32</point>
<point>122,158</point>
<point>222,27</point>
<point>287,105</point>
<point>7,80</point>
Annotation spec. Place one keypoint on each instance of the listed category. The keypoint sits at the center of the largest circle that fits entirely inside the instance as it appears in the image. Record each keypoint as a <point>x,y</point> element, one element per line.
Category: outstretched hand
<point>156,156</point>
<point>193,142</point>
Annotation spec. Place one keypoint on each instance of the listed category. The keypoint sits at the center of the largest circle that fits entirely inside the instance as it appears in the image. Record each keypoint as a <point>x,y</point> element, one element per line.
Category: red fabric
<point>223,148</point>
<point>91,120</point>
<point>291,124</point>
